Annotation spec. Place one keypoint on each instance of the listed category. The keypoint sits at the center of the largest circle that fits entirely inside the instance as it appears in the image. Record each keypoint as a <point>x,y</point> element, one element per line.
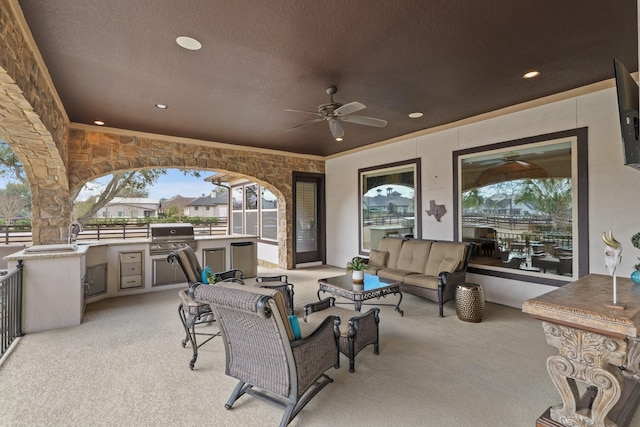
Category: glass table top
<point>371,282</point>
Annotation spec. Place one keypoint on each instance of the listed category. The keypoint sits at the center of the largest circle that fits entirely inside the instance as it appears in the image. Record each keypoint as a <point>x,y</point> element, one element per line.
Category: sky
<point>169,185</point>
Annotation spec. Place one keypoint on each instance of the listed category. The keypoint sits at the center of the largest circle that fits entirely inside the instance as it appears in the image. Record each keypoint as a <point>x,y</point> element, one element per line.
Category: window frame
<point>580,210</point>
<point>388,170</point>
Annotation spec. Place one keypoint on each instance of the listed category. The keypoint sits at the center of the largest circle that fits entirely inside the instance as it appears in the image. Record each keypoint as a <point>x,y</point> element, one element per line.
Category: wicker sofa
<point>427,268</point>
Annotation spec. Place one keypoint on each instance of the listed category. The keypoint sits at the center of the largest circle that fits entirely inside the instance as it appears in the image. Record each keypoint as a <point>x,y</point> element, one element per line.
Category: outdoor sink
<point>52,248</point>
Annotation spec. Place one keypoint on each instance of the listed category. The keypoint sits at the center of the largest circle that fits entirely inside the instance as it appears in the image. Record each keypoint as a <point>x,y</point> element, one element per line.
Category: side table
<point>469,302</point>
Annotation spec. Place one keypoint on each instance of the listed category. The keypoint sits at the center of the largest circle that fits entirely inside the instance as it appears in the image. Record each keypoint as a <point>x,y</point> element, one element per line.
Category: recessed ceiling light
<point>98,122</point>
<point>188,43</point>
<point>416,115</point>
<point>161,106</point>
<point>531,74</point>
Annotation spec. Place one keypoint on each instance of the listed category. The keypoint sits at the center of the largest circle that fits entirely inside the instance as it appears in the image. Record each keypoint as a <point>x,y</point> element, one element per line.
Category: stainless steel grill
<point>166,238</point>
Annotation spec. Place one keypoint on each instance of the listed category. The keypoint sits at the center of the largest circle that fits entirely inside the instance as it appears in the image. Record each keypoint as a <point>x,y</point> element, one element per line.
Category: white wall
<point>614,189</point>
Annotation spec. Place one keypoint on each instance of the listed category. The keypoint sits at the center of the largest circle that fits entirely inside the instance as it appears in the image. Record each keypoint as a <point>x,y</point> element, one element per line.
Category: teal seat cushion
<point>295,327</point>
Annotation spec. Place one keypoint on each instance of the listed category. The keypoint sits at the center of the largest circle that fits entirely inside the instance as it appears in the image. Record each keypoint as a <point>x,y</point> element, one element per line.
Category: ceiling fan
<point>334,112</point>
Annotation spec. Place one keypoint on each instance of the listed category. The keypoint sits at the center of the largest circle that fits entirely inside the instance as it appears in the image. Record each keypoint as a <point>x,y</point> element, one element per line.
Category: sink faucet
<point>75,228</point>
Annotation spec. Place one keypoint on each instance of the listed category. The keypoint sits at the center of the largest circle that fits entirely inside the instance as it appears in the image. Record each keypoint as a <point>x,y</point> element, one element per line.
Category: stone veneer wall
<point>34,125</point>
<point>95,154</point>
<point>58,161</point>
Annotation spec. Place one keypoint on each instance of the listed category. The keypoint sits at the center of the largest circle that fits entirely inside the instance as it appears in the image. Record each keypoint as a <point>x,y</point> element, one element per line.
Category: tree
<point>10,166</point>
<point>552,196</point>
<point>472,199</point>
<point>15,200</point>
<point>122,184</point>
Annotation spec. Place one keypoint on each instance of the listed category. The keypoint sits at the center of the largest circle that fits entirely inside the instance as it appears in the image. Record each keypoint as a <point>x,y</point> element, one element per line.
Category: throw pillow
<point>449,265</point>
<point>378,258</point>
<point>295,327</point>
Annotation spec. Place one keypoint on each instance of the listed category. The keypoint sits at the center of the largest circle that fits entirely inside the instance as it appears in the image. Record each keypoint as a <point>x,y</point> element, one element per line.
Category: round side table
<point>469,302</point>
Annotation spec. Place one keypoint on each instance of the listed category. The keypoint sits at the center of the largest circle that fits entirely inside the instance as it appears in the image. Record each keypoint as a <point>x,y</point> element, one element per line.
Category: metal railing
<point>20,234</point>
<point>10,307</point>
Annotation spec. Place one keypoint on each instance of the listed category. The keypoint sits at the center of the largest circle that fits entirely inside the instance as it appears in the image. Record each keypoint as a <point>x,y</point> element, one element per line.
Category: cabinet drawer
<point>130,269</point>
<point>131,257</point>
<point>127,282</point>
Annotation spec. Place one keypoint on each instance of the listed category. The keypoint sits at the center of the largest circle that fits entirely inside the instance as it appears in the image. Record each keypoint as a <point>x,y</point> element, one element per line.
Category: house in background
<point>175,205</point>
<point>130,207</point>
<point>215,204</point>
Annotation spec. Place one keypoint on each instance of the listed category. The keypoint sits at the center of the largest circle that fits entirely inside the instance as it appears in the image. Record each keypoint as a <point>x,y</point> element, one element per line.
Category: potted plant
<point>357,266</point>
<point>635,276</point>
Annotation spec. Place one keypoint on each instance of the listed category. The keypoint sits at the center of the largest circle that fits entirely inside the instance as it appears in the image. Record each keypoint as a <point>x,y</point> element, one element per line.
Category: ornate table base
<point>596,360</point>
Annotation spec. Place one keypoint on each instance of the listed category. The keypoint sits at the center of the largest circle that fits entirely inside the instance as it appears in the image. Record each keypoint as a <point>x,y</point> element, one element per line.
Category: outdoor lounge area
<point>125,366</point>
<point>454,130</point>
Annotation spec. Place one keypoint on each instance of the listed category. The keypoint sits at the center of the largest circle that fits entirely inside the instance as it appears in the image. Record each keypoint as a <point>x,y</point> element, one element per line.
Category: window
<point>251,209</point>
<point>389,198</point>
<point>195,208</point>
<point>255,211</point>
<point>268,215</point>
<point>237,206</point>
<point>523,205</point>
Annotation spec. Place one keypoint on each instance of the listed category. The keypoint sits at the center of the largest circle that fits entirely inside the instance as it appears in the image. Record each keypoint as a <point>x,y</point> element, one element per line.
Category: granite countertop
<point>81,248</point>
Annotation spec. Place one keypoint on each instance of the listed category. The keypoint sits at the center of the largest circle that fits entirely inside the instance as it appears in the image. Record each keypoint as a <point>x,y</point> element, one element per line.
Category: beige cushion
<point>394,274</point>
<point>378,258</point>
<point>374,269</point>
<point>449,264</point>
<point>422,280</point>
<point>391,245</point>
<point>440,251</point>
<point>190,264</point>
<point>413,255</point>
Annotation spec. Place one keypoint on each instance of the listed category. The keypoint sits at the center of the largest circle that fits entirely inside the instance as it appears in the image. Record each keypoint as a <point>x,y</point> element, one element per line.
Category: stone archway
<point>59,159</point>
<point>43,163</point>
<point>94,154</point>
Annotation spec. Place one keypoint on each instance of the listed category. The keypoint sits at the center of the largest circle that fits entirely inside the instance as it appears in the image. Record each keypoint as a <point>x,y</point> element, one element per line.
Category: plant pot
<point>635,277</point>
<point>357,276</point>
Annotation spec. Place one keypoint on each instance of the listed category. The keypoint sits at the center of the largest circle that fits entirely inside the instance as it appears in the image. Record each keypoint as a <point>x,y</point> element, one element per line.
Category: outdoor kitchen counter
<point>54,281</point>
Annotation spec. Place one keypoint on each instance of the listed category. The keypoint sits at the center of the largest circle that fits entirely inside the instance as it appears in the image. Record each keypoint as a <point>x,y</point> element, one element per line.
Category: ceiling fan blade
<point>367,121</point>
<point>349,108</point>
<point>303,111</point>
<point>308,122</point>
<point>336,128</point>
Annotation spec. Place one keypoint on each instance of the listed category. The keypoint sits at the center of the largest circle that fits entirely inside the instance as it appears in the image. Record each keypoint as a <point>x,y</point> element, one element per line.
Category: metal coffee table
<point>373,287</point>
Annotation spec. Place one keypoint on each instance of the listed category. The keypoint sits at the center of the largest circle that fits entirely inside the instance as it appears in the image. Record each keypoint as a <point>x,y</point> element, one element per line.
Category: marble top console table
<point>597,345</point>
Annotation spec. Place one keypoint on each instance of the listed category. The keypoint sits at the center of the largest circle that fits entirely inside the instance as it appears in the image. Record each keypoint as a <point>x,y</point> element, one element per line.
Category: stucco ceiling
<point>114,60</point>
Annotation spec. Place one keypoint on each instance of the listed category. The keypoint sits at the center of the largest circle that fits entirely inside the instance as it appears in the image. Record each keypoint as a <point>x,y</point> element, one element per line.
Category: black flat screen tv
<point>628,93</point>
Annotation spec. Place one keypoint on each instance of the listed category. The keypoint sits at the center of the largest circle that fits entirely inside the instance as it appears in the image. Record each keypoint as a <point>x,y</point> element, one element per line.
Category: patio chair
<point>357,330</point>
<point>262,352</point>
<point>193,313</point>
<point>282,285</point>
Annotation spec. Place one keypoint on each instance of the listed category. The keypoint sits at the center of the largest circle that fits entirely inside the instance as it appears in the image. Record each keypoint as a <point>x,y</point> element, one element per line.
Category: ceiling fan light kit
<point>334,112</point>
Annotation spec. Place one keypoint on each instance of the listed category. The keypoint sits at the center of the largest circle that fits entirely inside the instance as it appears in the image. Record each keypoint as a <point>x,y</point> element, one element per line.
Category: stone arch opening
<point>42,160</point>
<point>95,154</point>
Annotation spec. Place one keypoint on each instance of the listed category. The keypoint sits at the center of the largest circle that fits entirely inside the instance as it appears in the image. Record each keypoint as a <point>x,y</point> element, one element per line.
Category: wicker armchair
<point>357,330</point>
<point>260,349</point>
<point>193,313</point>
<point>282,285</point>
